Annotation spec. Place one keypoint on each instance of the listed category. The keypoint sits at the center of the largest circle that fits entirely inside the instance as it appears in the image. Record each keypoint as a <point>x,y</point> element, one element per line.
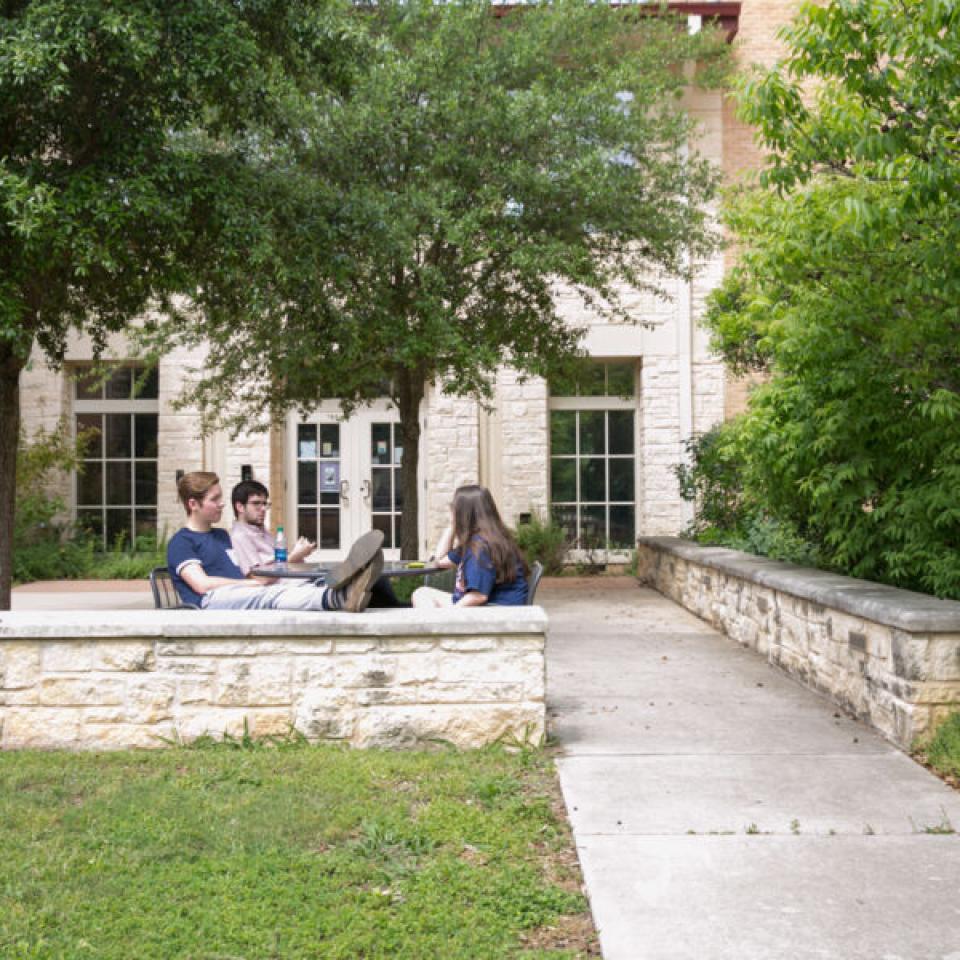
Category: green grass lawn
<point>288,851</point>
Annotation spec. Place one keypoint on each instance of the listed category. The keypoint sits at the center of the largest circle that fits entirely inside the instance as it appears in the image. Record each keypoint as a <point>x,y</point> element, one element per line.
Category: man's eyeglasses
<point>259,503</point>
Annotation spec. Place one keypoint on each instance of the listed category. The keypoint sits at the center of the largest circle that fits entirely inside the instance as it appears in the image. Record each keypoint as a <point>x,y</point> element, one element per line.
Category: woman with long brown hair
<point>490,566</point>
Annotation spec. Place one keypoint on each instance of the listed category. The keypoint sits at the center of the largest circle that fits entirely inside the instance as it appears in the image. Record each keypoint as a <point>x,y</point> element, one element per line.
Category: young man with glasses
<point>253,542</point>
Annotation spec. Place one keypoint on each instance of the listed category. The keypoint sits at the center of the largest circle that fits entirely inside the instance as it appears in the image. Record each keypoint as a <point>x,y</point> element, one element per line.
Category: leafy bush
<point>727,512</point>
<point>45,545</point>
<point>545,541</point>
<point>846,296</point>
<point>943,750</point>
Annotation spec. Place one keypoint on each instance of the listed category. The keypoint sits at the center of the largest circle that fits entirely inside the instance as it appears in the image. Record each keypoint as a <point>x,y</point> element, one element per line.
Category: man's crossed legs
<point>348,587</point>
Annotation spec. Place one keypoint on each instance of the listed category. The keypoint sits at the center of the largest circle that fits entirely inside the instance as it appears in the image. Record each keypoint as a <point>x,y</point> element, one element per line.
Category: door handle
<point>365,490</point>
<point>345,491</point>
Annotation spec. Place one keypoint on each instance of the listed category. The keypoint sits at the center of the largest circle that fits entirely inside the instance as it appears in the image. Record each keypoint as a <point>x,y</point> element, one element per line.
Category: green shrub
<point>943,750</point>
<point>45,546</point>
<point>545,541</point>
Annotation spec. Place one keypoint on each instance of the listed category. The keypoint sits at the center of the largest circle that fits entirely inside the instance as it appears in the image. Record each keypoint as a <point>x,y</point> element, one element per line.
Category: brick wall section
<point>890,657</point>
<point>388,679</point>
<point>756,43</point>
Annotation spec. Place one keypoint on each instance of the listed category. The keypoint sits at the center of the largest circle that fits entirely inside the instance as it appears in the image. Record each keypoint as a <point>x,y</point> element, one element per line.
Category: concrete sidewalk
<point>83,595</point>
<point>721,810</point>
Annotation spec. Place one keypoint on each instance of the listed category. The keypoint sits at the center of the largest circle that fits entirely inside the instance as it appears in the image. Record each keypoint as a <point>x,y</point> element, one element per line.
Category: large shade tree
<point>127,150</point>
<point>848,295</point>
<point>479,163</point>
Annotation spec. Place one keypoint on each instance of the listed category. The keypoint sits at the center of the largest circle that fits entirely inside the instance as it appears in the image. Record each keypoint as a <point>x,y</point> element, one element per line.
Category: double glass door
<point>346,480</point>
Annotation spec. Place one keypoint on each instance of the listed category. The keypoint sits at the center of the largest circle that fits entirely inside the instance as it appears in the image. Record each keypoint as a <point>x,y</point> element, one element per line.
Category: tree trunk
<point>409,396</point>
<point>10,367</point>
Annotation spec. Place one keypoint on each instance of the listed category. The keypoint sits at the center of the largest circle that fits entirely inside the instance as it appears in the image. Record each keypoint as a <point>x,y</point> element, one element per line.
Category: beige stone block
<point>176,648</point>
<point>41,728</point>
<point>468,644</point>
<point>464,725</point>
<point>214,647</point>
<point>150,699</point>
<point>925,656</point>
<point>407,644</point>
<point>946,694</point>
<point>387,695</point>
<point>90,690</point>
<point>193,722</point>
<point>252,682</point>
<point>485,667</point>
<point>21,696</point>
<point>369,671</point>
<point>105,715</point>
<point>19,665</point>
<point>68,656</point>
<point>840,625</point>
<point>194,690</point>
<point>353,645</point>
<point>313,672</point>
<point>271,723</point>
<point>125,736</point>
<point>194,667</point>
<point>522,643</point>
<point>476,693</point>
<point>295,646</point>
<point>325,714</point>
<point>136,656</point>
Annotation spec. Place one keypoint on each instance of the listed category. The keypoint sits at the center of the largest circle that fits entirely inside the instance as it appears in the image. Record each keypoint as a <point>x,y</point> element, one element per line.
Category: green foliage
<point>475,162</point>
<point>134,135</point>
<point>545,541</point>
<point>288,851</point>
<point>45,546</point>
<point>41,460</point>
<point>710,479</point>
<point>942,751</point>
<point>848,296</point>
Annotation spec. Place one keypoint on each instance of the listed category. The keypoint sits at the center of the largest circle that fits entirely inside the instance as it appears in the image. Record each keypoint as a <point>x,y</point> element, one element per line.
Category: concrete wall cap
<point>890,606</point>
<point>113,624</point>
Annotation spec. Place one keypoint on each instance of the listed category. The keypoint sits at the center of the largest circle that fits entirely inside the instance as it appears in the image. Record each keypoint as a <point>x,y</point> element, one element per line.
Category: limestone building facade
<point>601,460</point>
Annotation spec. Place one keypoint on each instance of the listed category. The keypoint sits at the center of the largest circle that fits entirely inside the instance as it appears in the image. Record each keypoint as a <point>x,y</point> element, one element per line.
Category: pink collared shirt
<point>252,546</point>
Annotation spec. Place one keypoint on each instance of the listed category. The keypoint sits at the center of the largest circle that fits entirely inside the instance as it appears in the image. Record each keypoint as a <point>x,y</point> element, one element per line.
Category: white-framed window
<point>115,493</point>
<point>593,456</point>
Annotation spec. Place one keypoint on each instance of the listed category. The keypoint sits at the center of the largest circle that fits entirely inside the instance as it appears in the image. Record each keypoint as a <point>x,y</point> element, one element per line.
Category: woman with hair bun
<point>490,567</point>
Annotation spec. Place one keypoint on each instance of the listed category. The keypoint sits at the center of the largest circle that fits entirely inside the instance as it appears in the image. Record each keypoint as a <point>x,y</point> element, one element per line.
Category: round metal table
<point>319,571</point>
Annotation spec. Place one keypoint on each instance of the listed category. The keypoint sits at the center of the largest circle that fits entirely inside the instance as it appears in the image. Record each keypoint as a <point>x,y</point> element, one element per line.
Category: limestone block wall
<point>399,678</point>
<point>661,509</point>
<point>450,457</point>
<point>890,657</point>
<point>522,448</point>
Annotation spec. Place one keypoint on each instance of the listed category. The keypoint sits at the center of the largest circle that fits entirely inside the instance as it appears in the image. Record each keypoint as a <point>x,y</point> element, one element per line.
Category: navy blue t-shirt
<point>214,551</point>
<point>475,572</point>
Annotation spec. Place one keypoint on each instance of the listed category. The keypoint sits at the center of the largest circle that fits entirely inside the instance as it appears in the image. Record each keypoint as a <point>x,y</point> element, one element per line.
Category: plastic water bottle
<point>280,547</point>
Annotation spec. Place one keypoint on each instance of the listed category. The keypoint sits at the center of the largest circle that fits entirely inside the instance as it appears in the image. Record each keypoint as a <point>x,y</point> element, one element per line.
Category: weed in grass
<point>795,827</point>
<point>943,827</point>
<point>942,750</point>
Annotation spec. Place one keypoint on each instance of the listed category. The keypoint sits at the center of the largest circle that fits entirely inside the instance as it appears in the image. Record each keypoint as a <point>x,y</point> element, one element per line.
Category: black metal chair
<point>165,596</point>
<point>444,580</point>
<point>533,581</point>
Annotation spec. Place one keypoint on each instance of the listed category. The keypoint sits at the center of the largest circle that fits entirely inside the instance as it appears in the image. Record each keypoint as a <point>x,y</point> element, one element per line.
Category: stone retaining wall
<point>891,657</point>
<point>391,678</point>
